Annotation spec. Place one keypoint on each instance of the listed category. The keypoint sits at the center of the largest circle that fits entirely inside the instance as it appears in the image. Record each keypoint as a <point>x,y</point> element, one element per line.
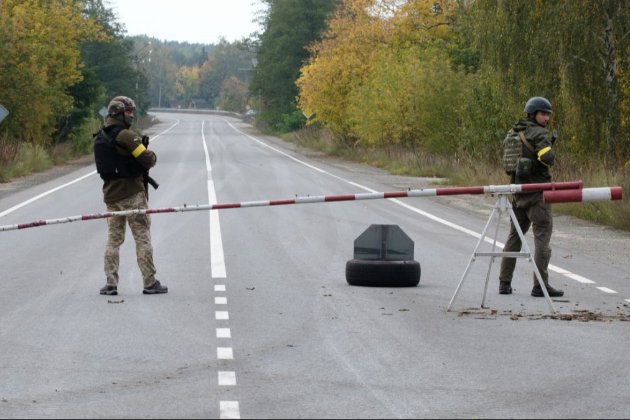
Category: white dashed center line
<point>227,378</point>
<point>224,333</point>
<point>225,353</point>
<point>227,409</point>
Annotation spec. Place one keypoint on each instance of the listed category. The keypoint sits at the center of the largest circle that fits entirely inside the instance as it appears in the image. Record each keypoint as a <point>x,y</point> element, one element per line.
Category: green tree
<point>289,28</point>
<point>233,96</point>
<point>226,60</point>
<point>573,52</point>
<point>113,60</point>
<point>162,74</point>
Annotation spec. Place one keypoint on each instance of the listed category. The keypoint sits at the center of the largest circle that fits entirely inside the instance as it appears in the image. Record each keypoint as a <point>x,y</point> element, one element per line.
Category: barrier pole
<point>435,192</point>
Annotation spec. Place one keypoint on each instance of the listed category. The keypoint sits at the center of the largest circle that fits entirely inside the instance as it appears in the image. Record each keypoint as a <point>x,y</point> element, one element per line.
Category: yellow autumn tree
<point>341,60</point>
<point>40,61</point>
<point>187,84</point>
<point>411,92</point>
<point>381,74</point>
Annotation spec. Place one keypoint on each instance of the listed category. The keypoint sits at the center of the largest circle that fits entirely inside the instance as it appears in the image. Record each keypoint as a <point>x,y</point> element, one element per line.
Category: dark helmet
<point>536,104</point>
<point>120,104</point>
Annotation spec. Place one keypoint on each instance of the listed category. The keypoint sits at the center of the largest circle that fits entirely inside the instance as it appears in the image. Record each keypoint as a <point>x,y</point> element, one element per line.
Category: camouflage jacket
<point>127,142</point>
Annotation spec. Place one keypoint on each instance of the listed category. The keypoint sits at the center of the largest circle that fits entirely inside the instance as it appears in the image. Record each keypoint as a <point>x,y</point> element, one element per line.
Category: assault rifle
<point>145,174</point>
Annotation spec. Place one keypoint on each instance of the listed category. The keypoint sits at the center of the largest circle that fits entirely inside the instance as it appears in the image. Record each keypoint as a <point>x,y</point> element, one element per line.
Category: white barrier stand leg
<point>501,204</point>
<point>472,259</point>
<point>491,262</point>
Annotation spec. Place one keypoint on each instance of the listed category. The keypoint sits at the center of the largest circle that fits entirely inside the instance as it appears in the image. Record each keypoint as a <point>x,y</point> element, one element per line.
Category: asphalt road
<point>259,321</point>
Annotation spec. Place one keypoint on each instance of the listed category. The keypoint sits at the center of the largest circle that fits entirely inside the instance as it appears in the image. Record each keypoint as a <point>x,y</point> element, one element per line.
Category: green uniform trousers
<point>537,214</point>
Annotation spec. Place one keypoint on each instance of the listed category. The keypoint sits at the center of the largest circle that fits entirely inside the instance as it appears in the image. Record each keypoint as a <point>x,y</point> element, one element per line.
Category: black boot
<point>538,292</point>
<point>155,288</point>
<point>109,290</point>
<point>505,288</point>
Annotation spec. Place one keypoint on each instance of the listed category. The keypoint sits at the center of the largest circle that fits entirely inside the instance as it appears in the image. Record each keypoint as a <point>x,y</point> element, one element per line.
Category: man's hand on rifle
<point>147,179</point>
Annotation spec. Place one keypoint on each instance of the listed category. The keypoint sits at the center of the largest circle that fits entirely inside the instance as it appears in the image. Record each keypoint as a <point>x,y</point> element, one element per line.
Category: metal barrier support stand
<point>502,204</point>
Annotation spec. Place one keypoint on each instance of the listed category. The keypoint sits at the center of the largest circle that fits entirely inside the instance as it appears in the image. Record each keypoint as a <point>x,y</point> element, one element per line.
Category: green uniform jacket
<point>544,157</point>
<point>130,143</point>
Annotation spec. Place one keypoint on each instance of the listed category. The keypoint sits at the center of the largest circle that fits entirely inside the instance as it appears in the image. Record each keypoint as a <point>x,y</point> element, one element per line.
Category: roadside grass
<point>466,172</point>
<point>20,159</point>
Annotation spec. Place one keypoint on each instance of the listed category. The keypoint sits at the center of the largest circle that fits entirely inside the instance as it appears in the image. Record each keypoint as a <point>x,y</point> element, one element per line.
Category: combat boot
<point>155,288</point>
<point>538,292</point>
<point>109,290</point>
<point>505,288</point>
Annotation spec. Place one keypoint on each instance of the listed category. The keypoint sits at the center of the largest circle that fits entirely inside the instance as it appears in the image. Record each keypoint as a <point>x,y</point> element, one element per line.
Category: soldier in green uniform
<point>124,189</point>
<point>530,208</point>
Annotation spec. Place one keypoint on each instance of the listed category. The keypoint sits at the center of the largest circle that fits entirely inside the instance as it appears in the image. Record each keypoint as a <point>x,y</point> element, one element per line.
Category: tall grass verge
<point>468,172</point>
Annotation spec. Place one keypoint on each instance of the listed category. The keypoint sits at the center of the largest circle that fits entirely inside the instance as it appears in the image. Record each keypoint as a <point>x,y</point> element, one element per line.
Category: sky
<point>193,21</point>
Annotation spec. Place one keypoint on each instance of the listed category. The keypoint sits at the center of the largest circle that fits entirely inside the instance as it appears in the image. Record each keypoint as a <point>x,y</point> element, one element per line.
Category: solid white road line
<point>67,184</point>
<point>217,259</point>
<point>457,227</point>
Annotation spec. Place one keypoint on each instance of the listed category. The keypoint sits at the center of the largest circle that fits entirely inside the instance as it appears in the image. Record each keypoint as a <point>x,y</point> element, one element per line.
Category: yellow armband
<point>541,153</point>
<point>138,151</point>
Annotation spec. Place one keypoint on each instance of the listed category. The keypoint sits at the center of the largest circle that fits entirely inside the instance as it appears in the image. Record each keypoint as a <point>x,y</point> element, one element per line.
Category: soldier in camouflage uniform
<point>530,208</point>
<point>126,193</point>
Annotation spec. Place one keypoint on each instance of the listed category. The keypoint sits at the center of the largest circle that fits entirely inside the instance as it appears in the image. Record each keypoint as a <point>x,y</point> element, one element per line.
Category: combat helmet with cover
<point>120,104</point>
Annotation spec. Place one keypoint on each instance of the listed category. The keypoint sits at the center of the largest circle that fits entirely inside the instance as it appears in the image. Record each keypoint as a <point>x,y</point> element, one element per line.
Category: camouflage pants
<point>140,225</point>
<point>538,215</point>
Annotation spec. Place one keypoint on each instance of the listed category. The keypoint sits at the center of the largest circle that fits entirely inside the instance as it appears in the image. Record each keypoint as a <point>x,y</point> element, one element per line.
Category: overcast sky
<point>195,21</point>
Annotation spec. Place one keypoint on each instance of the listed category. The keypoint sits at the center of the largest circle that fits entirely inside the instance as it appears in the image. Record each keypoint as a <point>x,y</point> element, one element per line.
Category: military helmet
<point>536,104</point>
<point>120,104</point>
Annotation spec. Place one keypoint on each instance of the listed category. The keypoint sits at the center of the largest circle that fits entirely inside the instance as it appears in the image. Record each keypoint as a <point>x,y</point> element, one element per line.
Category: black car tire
<point>382,273</point>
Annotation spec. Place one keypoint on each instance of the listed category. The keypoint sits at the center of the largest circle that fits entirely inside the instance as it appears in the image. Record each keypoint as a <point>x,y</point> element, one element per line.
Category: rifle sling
<point>526,143</point>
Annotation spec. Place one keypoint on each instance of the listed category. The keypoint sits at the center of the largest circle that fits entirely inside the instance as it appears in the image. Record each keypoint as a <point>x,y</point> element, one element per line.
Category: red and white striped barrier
<point>582,195</point>
<point>491,189</point>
